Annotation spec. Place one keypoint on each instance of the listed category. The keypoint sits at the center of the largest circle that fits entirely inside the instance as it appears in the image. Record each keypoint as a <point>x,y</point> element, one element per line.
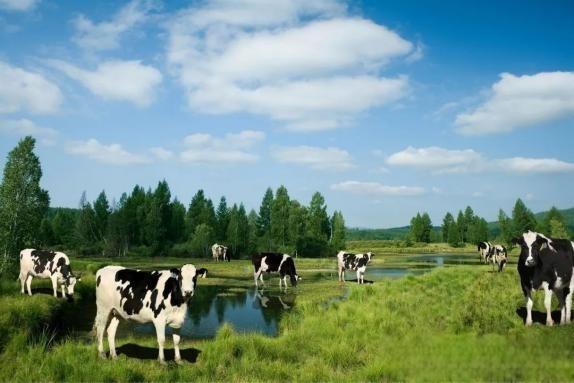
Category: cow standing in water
<point>275,263</point>
<point>356,262</point>
<point>52,265</point>
<point>160,297</point>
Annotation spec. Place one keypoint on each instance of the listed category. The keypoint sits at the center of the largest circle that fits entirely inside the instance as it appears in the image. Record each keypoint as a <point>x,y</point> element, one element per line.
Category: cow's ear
<point>543,242</point>
<point>517,241</point>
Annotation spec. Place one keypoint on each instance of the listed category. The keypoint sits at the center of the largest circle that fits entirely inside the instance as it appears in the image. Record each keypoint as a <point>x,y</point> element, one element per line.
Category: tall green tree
<point>462,226</point>
<point>85,231</point>
<point>101,214</point>
<point>222,219</point>
<point>505,224</point>
<point>426,228</point>
<point>552,214</point>
<point>522,219</point>
<point>280,217</point>
<point>447,222</point>
<point>318,226</point>
<point>338,228</point>
<point>297,225</point>
<point>454,235</point>
<point>238,230</point>
<point>177,224</point>
<point>264,221</point>
<point>195,212</point>
<point>558,229</point>
<point>23,203</point>
<point>203,238</point>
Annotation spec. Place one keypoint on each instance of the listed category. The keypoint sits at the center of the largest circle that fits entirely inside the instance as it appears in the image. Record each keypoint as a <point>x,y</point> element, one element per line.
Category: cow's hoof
<point>528,323</point>
<point>549,323</point>
<point>162,362</point>
<point>102,355</point>
<point>179,362</point>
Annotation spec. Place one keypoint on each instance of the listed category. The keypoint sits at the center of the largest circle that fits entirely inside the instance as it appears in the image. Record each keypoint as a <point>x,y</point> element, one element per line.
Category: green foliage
<point>222,219</point>
<point>505,224</point>
<point>447,221</point>
<point>522,219</point>
<point>421,227</point>
<point>23,203</point>
<point>338,240</point>
<point>557,229</point>
<point>203,238</point>
<point>454,238</point>
<point>280,217</point>
<point>238,231</point>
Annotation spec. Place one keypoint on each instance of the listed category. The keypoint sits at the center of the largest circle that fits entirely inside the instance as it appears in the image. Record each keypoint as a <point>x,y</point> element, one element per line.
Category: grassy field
<point>455,323</point>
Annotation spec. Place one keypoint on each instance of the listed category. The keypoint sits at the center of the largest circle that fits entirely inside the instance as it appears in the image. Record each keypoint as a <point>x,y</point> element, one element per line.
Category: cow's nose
<point>188,294</point>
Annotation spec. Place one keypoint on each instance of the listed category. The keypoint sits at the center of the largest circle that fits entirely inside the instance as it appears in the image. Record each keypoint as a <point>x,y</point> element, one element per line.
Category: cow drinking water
<point>160,297</point>
<point>546,263</point>
<point>356,262</point>
<point>44,264</point>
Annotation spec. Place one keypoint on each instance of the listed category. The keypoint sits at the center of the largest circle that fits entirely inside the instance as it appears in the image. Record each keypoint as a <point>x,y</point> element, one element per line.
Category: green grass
<point>393,247</point>
<point>455,323</point>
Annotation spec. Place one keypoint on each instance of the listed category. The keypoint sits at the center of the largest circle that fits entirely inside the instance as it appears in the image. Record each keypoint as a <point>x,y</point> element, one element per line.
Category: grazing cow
<point>160,297</point>
<point>47,264</point>
<point>500,257</point>
<point>485,250</point>
<point>546,263</point>
<point>356,262</point>
<point>275,263</point>
<point>219,251</point>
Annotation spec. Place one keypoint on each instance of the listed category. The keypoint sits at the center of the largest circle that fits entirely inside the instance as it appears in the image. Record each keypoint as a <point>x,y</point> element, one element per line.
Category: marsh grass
<point>455,323</point>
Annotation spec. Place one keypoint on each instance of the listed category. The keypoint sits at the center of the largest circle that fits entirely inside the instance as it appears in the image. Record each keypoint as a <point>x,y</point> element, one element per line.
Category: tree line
<point>152,222</point>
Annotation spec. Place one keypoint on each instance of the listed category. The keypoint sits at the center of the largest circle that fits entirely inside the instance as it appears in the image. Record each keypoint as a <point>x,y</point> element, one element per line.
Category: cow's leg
<point>358,277</point>
<point>23,278</point>
<point>55,285</point>
<point>561,295</point>
<point>340,274</point>
<point>568,308</point>
<point>101,322</point>
<point>529,304</point>
<point>176,339</point>
<point>29,284</point>
<point>160,332</point>
<point>112,327</point>
<point>548,304</point>
<point>256,277</point>
<point>63,291</point>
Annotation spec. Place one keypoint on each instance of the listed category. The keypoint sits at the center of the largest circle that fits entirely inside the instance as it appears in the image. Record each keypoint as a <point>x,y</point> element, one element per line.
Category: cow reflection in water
<point>266,301</point>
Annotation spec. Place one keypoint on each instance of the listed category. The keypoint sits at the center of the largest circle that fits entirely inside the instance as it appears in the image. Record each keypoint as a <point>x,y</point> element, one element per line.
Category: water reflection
<point>246,310</point>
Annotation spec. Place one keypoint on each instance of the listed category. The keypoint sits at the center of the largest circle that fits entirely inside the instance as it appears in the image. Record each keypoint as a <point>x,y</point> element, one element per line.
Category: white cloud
<point>18,5</point>
<point>377,189</point>
<point>106,34</point>
<point>161,153</point>
<point>112,154</point>
<point>307,64</point>
<point>116,80</point>
<point>232,148</point>
<point>25,127</point>
<point>521,101</point>
<point>447,161</point>
<point>316,158</point>
<point>534,165</point>
<point>23,91</point>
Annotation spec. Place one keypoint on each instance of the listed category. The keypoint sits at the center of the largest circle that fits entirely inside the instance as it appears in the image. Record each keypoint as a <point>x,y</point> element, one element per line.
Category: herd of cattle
<point>162,297</point>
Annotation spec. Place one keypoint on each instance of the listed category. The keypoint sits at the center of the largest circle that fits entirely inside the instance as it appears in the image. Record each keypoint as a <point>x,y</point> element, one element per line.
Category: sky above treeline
<point>385,107</point>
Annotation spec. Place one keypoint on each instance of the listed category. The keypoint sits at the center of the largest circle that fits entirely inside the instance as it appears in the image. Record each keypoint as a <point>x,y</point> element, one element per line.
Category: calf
<point>356,262</point>
<point>275,263</point>
<point>485,249</point>
<point>546,263</point>
<point>160,297</point>
<point>47,264</point>
<point>219,251</point>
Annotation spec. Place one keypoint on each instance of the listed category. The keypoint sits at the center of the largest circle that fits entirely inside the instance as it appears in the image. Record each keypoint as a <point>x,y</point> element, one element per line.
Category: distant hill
<point>356,234</point>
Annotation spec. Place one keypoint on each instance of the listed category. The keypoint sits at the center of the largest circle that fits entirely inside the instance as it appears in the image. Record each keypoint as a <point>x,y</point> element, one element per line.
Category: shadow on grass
<point>538,316</point>
<point>132,350</point>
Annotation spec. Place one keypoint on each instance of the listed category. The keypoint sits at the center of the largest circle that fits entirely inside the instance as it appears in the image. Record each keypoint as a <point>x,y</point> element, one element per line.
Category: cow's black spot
<point>352,262</point>
<point>134,292</point>
<point>155,307</point>
<point>98,280</point>
<point>273,262</point>
<point>41,259</point>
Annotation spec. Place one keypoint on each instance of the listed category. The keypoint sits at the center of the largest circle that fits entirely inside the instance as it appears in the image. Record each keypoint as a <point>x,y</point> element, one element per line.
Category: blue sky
<point>385,107</point>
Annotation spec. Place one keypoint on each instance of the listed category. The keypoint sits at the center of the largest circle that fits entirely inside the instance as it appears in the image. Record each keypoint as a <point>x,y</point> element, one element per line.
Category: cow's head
<point>531,243</point>
<point>370,255</point>
<point>69,280</point>
<point>294,279</point>
<point>189,275</point>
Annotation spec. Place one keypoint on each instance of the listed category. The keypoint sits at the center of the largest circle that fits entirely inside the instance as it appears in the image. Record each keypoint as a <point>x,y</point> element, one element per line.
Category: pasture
<point>460,321</point>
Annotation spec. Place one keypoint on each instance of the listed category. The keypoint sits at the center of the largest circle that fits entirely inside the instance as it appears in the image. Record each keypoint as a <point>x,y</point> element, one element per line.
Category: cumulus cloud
<point>18,5</point>
<point>25,127</point>
<point>24,91</point>
<point>316,158</point>
<point>519,102</point>
<point>307,64</point>
<point>112,154</point>
<point>377,189</point>
<point>129,81</point>
<point>106,35</point>
<point>233,148</point>
<point>161,153</point>
<point>447,161</point>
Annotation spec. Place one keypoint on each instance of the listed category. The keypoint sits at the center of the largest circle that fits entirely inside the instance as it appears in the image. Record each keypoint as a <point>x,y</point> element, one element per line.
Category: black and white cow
<point>500,257</point>
<point>356,262</point>
<point>160,297</point>
<point>485,249</point>
<point>45,264</point>
<point>219,251</point>
<point>275,263</point>
<point>546,263</point>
